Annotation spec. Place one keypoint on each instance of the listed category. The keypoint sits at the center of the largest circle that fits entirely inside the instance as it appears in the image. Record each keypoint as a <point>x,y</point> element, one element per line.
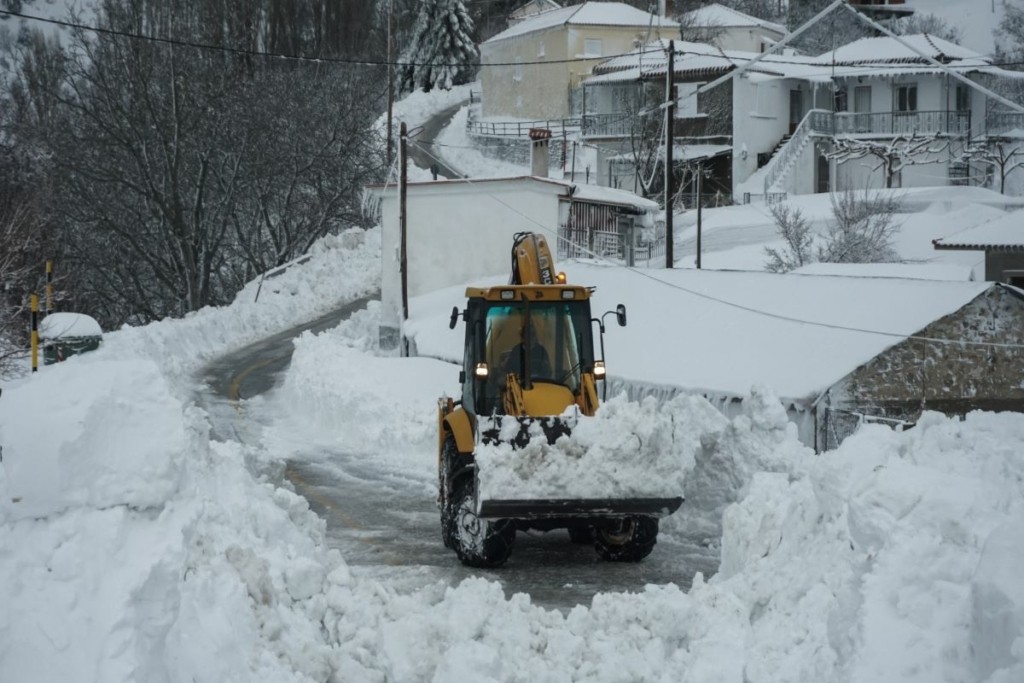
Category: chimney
<point>540,139</point>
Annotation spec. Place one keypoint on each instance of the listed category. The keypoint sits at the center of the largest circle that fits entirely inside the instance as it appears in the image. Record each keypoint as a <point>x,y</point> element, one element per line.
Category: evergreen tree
<point>442,52</point>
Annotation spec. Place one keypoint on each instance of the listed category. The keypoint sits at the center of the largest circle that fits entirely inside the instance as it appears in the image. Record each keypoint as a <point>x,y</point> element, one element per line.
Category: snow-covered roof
<point>886,49</point>
<point>720,16</point>
<point>587,14</point>
<point>64,325</point>
<point>1003,234</point>
<point>563,188</point>
<point>910,271</point>
<point>722,332</point>
<point>698,60</point>
<point>867,57</point>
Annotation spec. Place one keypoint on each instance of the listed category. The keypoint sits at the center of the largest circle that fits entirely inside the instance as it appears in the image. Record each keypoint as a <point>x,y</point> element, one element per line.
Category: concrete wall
<point>530,91</point>
<point>950,378</point>
<point>760,117</point>
<point>458,231</point>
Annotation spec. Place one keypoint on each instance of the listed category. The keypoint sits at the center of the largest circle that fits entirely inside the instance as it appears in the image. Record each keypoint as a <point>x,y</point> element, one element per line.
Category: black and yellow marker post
<point>34,299</point>
<point>49,287</point>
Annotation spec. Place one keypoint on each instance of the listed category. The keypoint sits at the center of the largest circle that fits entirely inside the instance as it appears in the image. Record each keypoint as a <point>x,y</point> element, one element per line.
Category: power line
<point>849,69</point>
<point>742,307</point>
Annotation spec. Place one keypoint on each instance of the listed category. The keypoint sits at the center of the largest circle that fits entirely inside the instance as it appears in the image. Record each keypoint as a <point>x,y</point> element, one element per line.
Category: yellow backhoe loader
<point>529,357</point>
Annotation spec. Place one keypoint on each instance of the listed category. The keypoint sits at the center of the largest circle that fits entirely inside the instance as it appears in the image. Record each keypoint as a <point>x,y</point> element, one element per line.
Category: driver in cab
<point>532,352</point>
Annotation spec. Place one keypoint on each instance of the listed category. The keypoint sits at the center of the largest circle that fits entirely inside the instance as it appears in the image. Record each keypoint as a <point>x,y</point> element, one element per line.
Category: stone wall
<point>917,375</point>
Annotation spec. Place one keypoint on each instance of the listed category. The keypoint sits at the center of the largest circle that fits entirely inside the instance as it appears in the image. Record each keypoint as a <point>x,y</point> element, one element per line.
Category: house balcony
<point>885,124</point>
<point>1000,123</point>
<point>618,124</point>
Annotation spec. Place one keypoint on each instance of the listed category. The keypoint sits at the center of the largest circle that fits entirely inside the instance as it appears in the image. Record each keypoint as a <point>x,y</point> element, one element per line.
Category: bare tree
<point>177,173</point>
<point>1006,156</point>
<point>892,155</point>
<point>862,230</point>
<point>20,235</point>
<point>795,230</point>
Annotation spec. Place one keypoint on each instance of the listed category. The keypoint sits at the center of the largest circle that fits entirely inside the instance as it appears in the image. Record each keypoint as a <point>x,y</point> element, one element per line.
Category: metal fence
<point>627,243</point>
<point>521,129</point>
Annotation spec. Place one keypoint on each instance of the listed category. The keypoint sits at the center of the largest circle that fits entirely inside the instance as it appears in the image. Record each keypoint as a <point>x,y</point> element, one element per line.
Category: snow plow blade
<point>587,507</point>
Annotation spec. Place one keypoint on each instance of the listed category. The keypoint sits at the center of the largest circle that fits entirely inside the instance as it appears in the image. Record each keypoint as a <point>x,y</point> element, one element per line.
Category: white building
<point>731,29</point>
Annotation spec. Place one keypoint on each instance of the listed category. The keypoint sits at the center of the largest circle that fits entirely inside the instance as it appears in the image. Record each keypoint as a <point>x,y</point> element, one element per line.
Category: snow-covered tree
<point>795,231</point>
<point>862,228</point>
<point>933,25</point>
<point>1005,156</point>
<point>442,52</point>
<point>891,156</point>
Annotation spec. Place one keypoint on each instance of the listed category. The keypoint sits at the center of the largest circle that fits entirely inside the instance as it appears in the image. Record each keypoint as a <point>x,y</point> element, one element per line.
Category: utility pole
<point>669,139</point>
<point>402,213</point>
<point>700,205</point>
<point>391,80</point>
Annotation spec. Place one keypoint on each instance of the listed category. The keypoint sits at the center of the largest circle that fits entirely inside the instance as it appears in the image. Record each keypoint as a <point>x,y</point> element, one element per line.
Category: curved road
<point>428,132</point>
<point>387,526</point>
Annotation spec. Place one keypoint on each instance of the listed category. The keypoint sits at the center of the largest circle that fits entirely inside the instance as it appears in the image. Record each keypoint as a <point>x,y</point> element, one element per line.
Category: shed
<point>68,334</point>
<point>1001,239</point>
<point>458,230</point>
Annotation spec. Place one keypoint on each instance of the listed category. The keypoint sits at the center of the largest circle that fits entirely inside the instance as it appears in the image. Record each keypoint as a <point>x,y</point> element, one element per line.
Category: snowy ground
<point>134,548</point>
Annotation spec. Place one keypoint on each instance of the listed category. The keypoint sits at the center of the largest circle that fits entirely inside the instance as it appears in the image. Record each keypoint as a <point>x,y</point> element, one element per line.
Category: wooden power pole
<point>402,213</point>
<point>669,139</point>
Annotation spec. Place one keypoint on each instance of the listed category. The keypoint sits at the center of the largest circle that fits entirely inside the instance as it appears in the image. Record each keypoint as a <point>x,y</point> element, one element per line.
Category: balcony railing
<point>617,124</point>
<point>521,129</point>
<point>1001,122</point>
<point>891,123</point>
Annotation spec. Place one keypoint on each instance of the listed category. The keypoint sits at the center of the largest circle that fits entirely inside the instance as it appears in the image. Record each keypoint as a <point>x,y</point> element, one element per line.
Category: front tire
<point>631,540</point>
<point>478,542</point>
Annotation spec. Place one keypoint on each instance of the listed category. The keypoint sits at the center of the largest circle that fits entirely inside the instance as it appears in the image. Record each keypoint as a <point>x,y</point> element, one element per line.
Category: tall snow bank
<point>337,394</point>
<point>133,549</point>
<point>340,268</point>
<point>886,559</point>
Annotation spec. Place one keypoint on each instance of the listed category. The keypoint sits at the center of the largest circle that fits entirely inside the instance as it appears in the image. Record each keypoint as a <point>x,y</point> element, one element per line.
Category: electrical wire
<point>849,69</point>
<point>733,304</point>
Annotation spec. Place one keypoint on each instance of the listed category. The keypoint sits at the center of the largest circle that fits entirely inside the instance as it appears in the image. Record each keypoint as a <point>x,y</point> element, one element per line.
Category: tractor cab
<point>529,350</point>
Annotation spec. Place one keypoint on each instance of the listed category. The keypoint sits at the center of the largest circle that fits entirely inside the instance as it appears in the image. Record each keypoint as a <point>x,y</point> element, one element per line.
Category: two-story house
<point>532,69</point>
<point>784,118</point>
<point>879,91</point>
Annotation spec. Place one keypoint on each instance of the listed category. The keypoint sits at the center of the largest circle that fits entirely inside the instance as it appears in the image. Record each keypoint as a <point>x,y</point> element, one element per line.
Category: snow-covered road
<point>385,521</point>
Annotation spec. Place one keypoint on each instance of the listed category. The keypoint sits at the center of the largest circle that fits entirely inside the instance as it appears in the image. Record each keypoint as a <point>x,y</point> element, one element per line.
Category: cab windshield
<point>542,341</point>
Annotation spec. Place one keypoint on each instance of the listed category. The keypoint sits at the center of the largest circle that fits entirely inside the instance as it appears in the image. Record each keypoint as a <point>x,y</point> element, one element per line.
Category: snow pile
<point>338,396</point>
<point>134,549</point>
<point>627,450</point>
<point>888,559</point>
<point>340,268</point>
<point>108,444</point>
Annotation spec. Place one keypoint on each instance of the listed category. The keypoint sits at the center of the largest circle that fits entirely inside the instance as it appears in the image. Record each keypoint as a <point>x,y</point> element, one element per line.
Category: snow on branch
<point>892,155</point>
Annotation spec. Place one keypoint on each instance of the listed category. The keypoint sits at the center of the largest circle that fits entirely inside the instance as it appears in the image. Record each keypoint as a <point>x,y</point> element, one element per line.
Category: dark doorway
<point>822,176</point>
<point>796,109</point>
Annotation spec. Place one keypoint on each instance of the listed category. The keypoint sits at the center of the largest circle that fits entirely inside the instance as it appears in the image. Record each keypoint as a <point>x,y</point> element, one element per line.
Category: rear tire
<point>632,541</point>
<point>478,542</point>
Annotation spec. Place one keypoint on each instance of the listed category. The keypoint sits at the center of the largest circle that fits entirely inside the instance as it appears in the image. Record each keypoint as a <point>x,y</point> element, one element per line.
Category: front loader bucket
<point>587,507</point>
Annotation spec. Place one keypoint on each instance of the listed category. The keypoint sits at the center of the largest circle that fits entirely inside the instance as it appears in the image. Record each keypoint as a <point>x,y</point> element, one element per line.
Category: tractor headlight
<point>481,371</point>
<point>599,371</point>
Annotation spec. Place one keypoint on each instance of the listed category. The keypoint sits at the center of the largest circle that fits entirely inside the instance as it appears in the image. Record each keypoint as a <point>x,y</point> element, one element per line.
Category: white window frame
<point>540,49</point>
<point>588,47</point>
<point>687,105</point>
<point>517,70</point>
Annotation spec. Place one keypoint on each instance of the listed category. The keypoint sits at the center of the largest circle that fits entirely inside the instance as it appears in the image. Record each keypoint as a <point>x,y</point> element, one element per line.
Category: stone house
<point>932,370</point>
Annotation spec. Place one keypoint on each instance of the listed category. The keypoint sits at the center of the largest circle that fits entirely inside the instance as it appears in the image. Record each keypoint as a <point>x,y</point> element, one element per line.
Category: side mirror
<point>454,319</point>
<point>620,314</point>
